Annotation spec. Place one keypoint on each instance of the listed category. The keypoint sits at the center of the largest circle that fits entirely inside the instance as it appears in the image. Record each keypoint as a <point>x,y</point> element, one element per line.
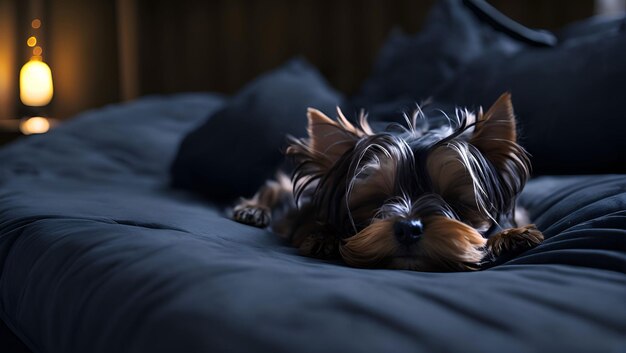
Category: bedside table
<point>9,130</point>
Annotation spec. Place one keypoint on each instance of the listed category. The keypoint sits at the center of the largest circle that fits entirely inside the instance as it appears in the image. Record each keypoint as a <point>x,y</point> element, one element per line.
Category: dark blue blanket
<point>97,254</point>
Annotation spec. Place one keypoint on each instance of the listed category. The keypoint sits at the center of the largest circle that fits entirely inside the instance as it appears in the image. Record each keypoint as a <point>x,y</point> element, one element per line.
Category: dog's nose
<point>408,231</point>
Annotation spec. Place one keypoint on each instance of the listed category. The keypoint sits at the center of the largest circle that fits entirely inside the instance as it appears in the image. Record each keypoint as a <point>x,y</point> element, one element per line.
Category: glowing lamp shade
<point>36,83</point>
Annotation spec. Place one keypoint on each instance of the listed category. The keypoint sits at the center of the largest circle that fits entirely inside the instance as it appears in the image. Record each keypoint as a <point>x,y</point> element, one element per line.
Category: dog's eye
<point>363,175</point>
<point>367,170</point>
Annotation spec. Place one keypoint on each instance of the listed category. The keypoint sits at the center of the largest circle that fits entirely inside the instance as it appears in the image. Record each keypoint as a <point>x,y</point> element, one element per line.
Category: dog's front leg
<point>257,210</point>
<point>514,241</point>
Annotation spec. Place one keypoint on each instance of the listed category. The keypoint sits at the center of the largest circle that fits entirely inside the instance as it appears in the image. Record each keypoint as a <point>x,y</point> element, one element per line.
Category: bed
<point>100,253</point>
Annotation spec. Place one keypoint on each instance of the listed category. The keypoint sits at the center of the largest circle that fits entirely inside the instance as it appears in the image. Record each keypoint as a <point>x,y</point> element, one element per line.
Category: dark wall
<point>226,43</point>
<point>8,60</point>
<point>82,46</point>
<point>103,51</point>
<point>546,14</point>
<point>220,45</point>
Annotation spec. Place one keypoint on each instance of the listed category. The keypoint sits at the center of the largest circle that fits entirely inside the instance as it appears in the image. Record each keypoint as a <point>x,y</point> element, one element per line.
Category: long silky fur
<point>447,244</point>
<point>371,246</point>
<point>360,193</point>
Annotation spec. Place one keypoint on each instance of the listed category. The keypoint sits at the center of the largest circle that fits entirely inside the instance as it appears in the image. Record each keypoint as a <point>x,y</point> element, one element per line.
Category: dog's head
<point>417,198</point>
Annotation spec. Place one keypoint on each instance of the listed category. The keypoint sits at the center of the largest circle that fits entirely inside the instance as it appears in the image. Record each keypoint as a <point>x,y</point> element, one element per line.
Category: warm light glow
<point>36,23</point>
<point>36,83</point>
<point>37,51</point>
<point>34,125</point>
<point>31,41</point>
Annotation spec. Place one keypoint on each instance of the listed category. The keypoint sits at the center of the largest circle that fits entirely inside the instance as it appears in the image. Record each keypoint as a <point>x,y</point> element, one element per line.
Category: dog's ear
<point>495,133</point>
<point>330,139</point>
<point>495,136</point>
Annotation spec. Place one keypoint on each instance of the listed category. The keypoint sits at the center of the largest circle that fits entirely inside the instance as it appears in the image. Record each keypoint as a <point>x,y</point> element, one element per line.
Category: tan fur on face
<point>449,176</point>
<point>370,246</point>
<point>450,244</point>
<point>445,245</point>
<point>454,183</point>
<point>370,193</point>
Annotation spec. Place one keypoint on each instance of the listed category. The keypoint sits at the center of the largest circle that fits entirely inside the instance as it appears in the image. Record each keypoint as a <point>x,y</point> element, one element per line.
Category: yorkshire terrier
<point>416,198</point>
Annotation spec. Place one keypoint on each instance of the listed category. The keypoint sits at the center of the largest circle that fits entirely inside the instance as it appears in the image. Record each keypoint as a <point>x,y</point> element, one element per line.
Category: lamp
<point>36,88</point>
<point>36,83</point>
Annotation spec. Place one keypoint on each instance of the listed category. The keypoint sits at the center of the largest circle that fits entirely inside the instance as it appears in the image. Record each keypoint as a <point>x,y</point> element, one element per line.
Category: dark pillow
<point>241,145</point>
<point>569,101</point>
<point>410,68</point>
<point>582,219</point>
<point>591,28</point>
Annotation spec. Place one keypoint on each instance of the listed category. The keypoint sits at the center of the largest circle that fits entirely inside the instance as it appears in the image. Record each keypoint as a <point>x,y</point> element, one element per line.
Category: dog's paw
<point>514,240</point>
<point>252,215</point>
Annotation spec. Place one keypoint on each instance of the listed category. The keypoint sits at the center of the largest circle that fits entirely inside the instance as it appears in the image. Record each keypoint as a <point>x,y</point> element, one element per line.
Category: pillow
<point>410,68</point>
<point>240,146</point>
<point>591,28</point>
<point>569,101</point>
<point>582,219</point>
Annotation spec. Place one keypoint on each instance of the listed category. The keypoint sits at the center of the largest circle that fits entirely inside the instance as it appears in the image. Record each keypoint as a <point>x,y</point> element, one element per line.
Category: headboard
<point>103,51</point>
<point>220,45</point>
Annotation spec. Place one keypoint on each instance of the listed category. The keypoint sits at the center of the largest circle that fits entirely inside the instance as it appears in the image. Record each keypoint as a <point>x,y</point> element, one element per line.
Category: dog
<point>413,198</point>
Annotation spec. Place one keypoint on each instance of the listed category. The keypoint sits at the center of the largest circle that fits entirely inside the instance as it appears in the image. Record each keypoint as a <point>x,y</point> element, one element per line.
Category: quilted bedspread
<point>98,254</point>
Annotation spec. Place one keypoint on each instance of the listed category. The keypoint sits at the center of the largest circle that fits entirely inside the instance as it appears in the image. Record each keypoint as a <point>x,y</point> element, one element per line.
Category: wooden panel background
<point>103,51</point>
<point>224,44</point>
<point>8,60</point>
